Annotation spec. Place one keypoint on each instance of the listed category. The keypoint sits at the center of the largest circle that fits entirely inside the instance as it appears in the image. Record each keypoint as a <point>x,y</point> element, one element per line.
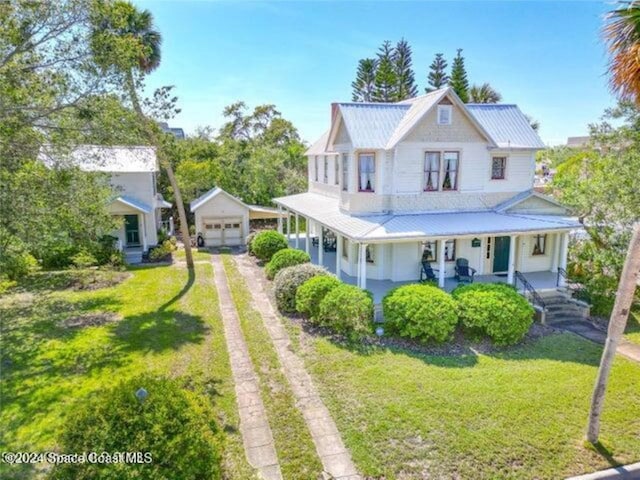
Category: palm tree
<point>484,93</point>
<point>622,34</point>
<point>125,38</point>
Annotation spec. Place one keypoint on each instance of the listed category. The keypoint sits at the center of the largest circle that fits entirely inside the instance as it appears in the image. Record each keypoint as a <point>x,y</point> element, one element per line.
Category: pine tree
<point>365,82</point>
<point>459,81</point>
<point>437,77</point>
<point>386,79</point>
<point>406,86</point>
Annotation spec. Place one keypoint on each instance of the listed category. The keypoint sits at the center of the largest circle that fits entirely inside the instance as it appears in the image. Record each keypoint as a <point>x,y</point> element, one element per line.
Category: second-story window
<point>431,171</point>
<point>315,168</point>
<point>336,170</point>
<point>326,169</point>
<point>450,171</point>
<point>498,168</point>
<point>367,172</point>
<point>345,172</point>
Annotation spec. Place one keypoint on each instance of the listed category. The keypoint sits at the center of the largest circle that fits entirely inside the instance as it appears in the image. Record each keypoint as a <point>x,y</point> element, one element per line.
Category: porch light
<point>141,395</point>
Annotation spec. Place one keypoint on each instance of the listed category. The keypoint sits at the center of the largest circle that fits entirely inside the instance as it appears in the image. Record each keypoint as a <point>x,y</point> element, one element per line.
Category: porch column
<point>338,255</point>
<point>321,246</point>
<point>363,265</point>
<point>297,231</point>
<point>288,224</point>
<point>279,218</point>
<point>441,264</point>
<point>512,259</point>
<point>564,250</point>
<point>307,247</point>
<point>171,227</point>
<point>556,252</point>
<point>144,232</point>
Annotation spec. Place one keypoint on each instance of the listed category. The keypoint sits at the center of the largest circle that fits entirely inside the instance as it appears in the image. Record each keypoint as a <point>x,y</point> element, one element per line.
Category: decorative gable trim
<point>210,195</point>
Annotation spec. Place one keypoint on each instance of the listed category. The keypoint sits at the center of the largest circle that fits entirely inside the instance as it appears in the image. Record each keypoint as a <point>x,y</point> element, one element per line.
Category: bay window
<point>431,171</point>
<point>336,170</point>
<point>450,177</point>
<point>367,172</point>
<point>345,172</point>
<point>315,168</point>
<point>325,171</point>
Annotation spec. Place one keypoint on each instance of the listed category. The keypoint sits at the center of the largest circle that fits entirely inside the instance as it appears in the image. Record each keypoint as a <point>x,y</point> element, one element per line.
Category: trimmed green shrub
<point>285,258</point>
<point>267,243</point>
<point>496,310</point>
<point>161,252</point>
<point>348,310</point>
<point>249,241</point>
<point>176,426</point>
<point>16,263</point>
<point>287,281</point>
<point>83,259</point>
<point>420,311</point>
<point>311,293</point>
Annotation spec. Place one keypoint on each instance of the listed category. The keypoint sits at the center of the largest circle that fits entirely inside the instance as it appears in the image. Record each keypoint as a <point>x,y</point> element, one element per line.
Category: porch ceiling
<point>387,228</point>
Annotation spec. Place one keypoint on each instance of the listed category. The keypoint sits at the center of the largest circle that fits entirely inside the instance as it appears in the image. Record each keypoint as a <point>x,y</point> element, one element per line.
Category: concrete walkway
<point>254,424</point>
<point>588,330</point>
<point>335,458</point>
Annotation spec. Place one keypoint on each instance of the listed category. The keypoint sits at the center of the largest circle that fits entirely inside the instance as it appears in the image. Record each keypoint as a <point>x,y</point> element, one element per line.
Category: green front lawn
<point>60,345</point>
<point>517,414</point>
<point>632,332</point>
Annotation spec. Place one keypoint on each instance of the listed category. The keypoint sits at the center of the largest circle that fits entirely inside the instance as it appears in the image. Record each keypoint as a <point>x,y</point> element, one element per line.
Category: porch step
<point>133,256</point>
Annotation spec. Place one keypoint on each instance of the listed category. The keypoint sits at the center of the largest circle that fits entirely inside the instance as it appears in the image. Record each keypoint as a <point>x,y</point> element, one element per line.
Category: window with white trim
<point>336,170</point>
<point>430,251</point>
<point>345,172</point>
<point>449,250</point>
<point>498,168</point>
<point>315,168</point>
<point>345,247</point>
<point>539,244</point>
<point>431,171</point>
<point>367,172</point>
<point>444,114</point>
<point>369,257</point>
<point>450,170</point>
<point>326,169</point>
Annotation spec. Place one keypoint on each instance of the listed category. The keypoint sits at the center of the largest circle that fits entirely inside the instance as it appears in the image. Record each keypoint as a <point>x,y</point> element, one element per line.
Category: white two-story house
<point>429,179</point>
<point>133,172</point>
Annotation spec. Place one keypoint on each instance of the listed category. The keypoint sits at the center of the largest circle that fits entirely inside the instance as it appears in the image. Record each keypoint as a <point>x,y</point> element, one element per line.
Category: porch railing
<point>562,273</point>
<point>530,293</point>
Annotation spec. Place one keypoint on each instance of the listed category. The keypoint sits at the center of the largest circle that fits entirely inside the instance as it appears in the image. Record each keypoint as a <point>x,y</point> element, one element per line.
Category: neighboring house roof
<point>380,228</point>
<point>210,195</point>
<point>96,158</point>
<point>506,124</point>
<point>320,146</point>
<point>384,125</point>
<point>578,141</point>
<point>134,203</point>
<point>176,131</point>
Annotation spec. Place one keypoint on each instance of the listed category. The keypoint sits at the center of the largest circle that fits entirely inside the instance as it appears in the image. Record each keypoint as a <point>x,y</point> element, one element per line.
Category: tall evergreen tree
<point>406,86</point>
<point>365,83</point>
<point>386,82</point>
<point>459,81</point>
<point>437,77</point>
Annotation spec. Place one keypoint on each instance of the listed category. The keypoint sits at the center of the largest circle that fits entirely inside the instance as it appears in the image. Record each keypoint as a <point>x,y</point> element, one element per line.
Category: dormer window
<point>444,114</point>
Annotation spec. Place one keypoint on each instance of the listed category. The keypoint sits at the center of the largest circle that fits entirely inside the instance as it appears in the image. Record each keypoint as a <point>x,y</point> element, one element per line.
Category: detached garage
<point>223,220</point>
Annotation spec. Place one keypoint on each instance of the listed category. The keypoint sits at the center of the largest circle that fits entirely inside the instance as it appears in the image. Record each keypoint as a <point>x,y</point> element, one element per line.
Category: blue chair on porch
<point>427,274</point>
<point>464,273</point>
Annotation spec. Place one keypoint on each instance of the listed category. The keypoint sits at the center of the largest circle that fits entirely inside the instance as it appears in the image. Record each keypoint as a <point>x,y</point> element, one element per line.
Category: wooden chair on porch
<point>428,274</point>
<point>464,273</point>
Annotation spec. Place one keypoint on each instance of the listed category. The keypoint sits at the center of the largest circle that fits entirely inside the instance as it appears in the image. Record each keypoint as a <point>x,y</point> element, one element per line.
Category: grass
<point>517,414</point>
<point>60,345</point>
<point>295,449</point>
<point>632,332</point>
<point>198,254</point>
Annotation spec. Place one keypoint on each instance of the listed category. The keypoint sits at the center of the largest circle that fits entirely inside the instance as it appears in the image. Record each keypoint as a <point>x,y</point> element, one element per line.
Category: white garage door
<point>222,231</point>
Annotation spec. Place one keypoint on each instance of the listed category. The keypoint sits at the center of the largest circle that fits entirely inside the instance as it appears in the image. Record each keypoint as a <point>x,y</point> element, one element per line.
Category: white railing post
<point>297,231</point>
<point>441,263</point>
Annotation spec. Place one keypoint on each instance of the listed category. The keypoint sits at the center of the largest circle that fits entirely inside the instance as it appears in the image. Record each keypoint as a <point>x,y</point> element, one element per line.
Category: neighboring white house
<point>223,220</point>
<point>433,179</point>
<point>133,172</point>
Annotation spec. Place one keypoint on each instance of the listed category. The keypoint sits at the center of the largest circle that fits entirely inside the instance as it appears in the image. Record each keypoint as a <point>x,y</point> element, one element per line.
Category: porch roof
<point>134,203</point>
<point>402,227</point>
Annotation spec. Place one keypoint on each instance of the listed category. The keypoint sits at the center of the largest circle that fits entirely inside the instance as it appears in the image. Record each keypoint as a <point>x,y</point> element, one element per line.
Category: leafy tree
<point>406,87</point>
<point>364,84</point>
<point>484,93</point>
<point>125,41</point>
<point>458,80</point>
<point>437,77</point>
<point>622,35</point>
<point>386,81</point>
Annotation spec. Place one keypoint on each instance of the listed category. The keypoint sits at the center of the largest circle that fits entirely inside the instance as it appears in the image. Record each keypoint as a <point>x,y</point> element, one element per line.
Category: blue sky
<point>545,56</point>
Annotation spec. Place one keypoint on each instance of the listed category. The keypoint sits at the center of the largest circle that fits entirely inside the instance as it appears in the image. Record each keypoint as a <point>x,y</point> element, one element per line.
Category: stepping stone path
<point>335,458</point>
<point>254,424</point>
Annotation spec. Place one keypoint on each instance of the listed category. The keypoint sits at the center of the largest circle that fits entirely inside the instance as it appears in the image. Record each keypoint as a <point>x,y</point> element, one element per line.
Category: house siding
<point>221,206</point>
<point>461,130</point>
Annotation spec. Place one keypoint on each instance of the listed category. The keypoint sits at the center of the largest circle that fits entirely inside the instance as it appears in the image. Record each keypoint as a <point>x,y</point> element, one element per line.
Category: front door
<point>131,230</point>
<point>501,254</point>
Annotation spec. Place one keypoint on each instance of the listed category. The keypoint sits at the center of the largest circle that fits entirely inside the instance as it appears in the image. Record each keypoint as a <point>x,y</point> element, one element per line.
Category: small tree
<point>459,81</point>
<point>365,82</point>
<point>386,80</point>
<point>437,77</point>
<point>405,77</point>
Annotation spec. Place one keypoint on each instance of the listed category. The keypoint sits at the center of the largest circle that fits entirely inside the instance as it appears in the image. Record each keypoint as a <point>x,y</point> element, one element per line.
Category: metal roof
<point>506,124</point>
<point>134,203</point>
<point>214,192</point>
<point>320,146</point>
<point>96,158</point>
<point>371,124</point>
<point>380,228</point>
